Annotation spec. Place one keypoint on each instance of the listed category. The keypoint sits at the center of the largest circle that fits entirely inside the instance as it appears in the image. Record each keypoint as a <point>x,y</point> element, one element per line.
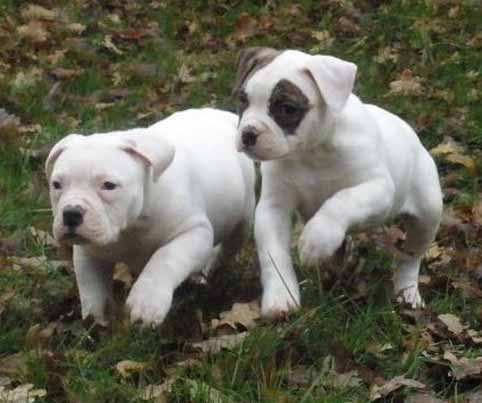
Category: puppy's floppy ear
<point>249,61</point>
<point>153,151</point>
<point>58,149</point>
<point>334,78</point>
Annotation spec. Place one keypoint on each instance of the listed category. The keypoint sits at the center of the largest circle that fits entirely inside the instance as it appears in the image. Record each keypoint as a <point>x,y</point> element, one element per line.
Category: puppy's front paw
<point>410,296</point>
<point>277,303</point>
<point>148,305</point>
<point>320,239</point>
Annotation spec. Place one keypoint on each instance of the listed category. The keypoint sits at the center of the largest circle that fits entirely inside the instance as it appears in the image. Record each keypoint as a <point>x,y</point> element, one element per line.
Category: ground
<point>85,66</point>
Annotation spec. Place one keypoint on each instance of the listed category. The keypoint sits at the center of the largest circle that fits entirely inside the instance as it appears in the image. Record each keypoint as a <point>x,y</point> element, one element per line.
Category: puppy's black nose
<point>249,136</point>
<point>73,216</point>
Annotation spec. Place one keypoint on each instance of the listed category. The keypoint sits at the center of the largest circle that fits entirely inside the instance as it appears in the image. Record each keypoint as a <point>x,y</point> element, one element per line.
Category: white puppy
<point>341,163</point>
<point>158,199</point>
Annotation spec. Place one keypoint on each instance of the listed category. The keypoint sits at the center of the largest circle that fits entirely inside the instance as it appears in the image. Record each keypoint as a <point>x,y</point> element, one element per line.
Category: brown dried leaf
<point>423,398</point>
<point>21,394</point>
<point>245,28</point>
<point>38,337</point>
<point>157,393</point>
<point>76,28</point>
<point>407,84</point>
<point>9,126</point>
<point>212,395</point>
<point>216,344</point>
<point>463,367</point>
<point>34,11</point>
<point>14,365</point>
<point>347,26</point>
<point>377,392</point>
<point>455,153</point>
<point>121,273</point>
<point>33,32</point>
<point>453,323</point>
<point>108,44</point>
<point>66,74</point>
<point>243,314</point>
<point>27,79</point>
<point>4,299</point>
<point>127,367</point>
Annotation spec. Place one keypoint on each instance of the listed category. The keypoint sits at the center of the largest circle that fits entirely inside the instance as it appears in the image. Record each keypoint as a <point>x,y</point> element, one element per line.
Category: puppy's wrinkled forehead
<point>285,77</point>
<point>94,156</point>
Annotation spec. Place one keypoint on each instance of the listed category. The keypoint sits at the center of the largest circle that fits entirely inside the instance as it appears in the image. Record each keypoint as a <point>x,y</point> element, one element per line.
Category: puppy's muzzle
<point>73,217</point>
<point>249,136</point>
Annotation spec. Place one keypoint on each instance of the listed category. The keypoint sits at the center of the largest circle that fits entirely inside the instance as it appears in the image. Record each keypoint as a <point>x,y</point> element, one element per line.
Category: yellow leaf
<point>38,12</point>
<point>127,367</point>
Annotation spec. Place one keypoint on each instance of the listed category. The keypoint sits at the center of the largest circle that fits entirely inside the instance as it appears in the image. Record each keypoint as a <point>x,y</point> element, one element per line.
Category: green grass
<point>349,317</point>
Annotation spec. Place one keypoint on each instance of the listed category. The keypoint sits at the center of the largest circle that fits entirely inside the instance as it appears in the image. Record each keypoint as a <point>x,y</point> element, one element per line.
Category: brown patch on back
<point>250,61</point>
<point>288,105</point>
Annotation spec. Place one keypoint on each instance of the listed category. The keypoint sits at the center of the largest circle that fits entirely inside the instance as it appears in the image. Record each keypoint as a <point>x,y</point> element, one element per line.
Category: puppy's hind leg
<point>421,219</point>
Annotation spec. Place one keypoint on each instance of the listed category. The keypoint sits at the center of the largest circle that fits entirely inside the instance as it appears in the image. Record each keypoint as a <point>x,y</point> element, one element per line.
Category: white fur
<point>348,165</point>
<point>184,190</point>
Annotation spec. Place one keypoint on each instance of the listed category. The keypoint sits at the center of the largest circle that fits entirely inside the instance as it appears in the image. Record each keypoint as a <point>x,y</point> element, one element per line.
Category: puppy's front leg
<point>94,280</point>
<point>151,296</point>
<point>369,202</point>
<point>273,237</point>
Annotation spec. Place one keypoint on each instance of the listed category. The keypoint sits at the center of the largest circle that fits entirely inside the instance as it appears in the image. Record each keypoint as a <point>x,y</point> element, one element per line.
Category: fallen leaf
<point>407,84</point>
<point>121,273</point>
<point>346,26</point>
<point>4,299</point>
<point>14,365</point>
<point>331,378</point>
<point>37,262</point>
<point>126,367</point>
<point>241,314</point>
<point>43,238</point>
<point>423,398</point>
<point>157,393</point>
<point>9,126</point>
<point>455,153</point>
<point>34,11</point>
<point>387,54</point>
<point>21,394</point>
<point>473,397</point>
<point>27,79</point>
<point>224,342</point>
<point>245,27</point>
<point>475,336</point>
<point>324,38</point>
<point>66,74</point>
<point>108,44</point>
<point>185,75</point>
<point>463,367</point>
<point>377,392</point>
<point>209,393</point>
<point>33,32</point>
<point>76,28</point>
<point>39,337</point>
<point>453,323</point>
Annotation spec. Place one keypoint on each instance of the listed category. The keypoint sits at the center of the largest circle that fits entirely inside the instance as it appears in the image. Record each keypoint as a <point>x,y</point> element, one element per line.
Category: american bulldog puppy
<point>341,163</point>
<point>161,199</point>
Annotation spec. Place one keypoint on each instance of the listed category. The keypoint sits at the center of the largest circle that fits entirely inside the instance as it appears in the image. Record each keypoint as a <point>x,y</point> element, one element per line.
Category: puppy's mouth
<point>72,238</point>
<point>257,157</point>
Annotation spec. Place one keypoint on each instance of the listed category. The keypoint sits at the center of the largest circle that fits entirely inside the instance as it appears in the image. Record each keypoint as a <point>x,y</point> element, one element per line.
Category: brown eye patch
<point>288,106</point>
<point>243,102</point>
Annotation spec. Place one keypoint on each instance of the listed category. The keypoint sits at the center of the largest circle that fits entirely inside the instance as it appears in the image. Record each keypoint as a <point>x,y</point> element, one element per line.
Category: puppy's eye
<point>288,109</point>
<point>243,98</point>
<point>109,185</point>
<point>56,185</point>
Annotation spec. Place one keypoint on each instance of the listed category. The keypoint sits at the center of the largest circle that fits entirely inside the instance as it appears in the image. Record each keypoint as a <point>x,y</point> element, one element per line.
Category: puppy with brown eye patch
<point>342,164</point>
<point>288,106</point>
